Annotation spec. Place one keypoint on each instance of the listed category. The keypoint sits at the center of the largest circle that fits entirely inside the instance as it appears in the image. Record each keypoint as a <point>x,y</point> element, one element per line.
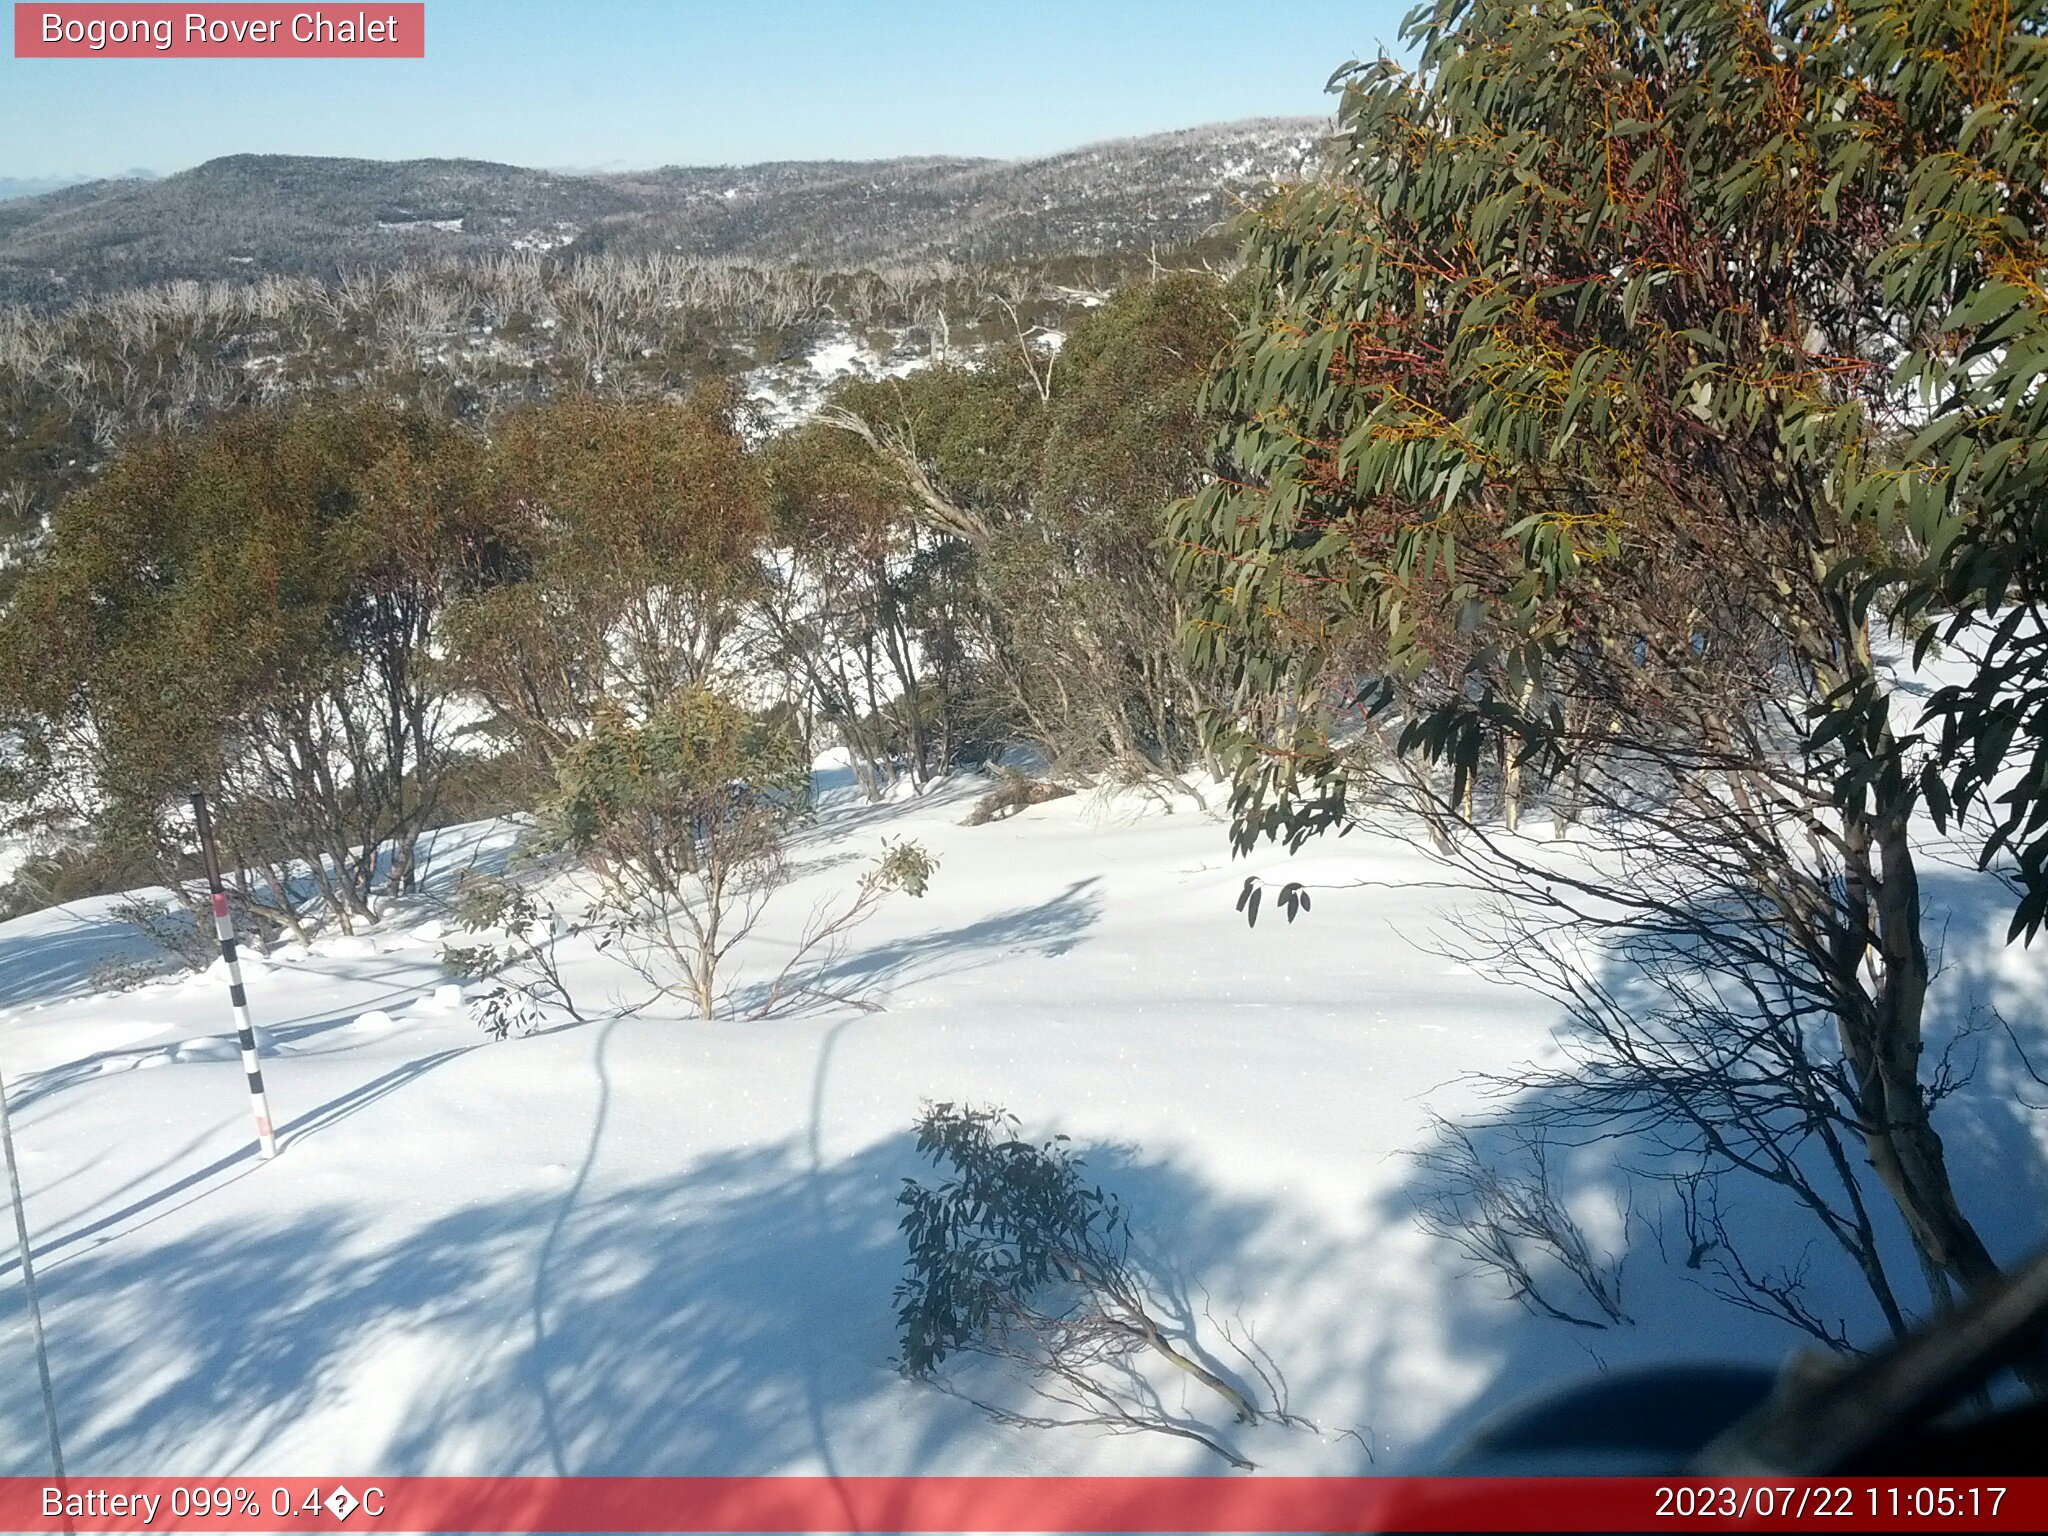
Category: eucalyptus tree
<point>253,609</point>
<point>627,533</point>
<point>1571,421</point>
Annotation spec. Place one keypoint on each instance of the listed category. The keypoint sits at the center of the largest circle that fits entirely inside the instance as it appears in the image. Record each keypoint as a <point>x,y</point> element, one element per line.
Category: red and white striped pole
<point>224,928</point>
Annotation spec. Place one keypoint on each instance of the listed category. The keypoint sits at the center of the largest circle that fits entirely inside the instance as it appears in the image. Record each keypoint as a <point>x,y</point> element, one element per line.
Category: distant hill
<point>250,214</point>
<point>34,186</point>
<point>1126,194</point>
<point>247,215</point>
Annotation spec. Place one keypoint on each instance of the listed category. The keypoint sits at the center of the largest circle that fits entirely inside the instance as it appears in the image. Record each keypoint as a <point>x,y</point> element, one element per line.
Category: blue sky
<point>629,83</point>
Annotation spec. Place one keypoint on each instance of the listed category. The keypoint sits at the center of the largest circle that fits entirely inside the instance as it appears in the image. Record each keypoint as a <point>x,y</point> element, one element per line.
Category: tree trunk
<point>1952,1243</point>
<point>1883,1046</point>
<point>1511,763</point>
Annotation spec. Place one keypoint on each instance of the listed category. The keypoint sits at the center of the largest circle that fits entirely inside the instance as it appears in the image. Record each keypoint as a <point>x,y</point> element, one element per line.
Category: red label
<point>119,31</point>
<point>1046,1504</point>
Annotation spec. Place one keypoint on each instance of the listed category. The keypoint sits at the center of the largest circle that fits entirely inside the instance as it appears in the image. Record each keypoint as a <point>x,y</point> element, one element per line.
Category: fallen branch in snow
<point>1016,1259</point>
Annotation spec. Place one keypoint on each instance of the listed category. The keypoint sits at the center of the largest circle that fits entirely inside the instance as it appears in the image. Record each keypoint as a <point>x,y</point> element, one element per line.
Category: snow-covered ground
<point>789,394</point>
<point>666,1245</point>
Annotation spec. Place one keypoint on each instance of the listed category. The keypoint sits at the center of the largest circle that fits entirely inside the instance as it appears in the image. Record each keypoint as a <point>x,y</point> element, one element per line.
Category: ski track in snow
<point>666,1245</point>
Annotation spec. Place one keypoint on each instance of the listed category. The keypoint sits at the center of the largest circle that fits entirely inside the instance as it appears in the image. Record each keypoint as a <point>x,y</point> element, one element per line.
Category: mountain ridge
<point>243,215</point>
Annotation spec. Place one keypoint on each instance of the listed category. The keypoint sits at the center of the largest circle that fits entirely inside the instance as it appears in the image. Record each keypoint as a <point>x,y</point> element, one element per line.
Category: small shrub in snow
<point>505,1011</point>
<point>1016,1256</point>
<point>681,821</point>
<point>186,937</point>
<point>1013,793</point>
<point>124,975</point>
<point>519,939</point>
<point>53,876</point>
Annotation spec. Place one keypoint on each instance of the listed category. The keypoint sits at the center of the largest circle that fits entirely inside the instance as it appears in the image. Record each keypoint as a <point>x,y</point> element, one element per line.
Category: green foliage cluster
<point>1615,308</point>
<point>1016,1255</point>
<point>701,783</point>
<point>466,340</point>
<point>243,605</point>
<point>1011,1218</point>
<point>49,879</point>
<point>502,913</point>
<point>904,866</point>
<point>1965,267</point>
<point>626,535</point>
<point>250,610</point>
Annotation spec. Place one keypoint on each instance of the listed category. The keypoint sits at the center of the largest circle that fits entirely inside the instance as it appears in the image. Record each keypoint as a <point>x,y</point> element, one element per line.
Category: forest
<point>1615,472</point>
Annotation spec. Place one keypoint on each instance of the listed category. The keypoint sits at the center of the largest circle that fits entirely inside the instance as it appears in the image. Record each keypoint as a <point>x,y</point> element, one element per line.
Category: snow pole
<point>224,929</point>
<point>28,1286</point>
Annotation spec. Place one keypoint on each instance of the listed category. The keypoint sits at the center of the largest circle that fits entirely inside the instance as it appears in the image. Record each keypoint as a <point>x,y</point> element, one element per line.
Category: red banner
<point>1062,1504</point>
<point>116,31</point>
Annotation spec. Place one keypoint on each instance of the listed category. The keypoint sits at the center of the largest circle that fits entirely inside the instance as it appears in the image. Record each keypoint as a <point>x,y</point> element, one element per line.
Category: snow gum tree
<point>249,609</point>
<point>841,591</point>
<point>629,530</point>
<point>1015,505</point>
<point>1569,424</point>
<point>1966,268</point>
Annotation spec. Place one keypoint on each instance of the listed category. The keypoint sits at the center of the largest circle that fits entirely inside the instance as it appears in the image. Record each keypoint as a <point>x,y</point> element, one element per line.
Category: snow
<point>544,240</point>
<point>788,394</point>
<point>666,1245</point>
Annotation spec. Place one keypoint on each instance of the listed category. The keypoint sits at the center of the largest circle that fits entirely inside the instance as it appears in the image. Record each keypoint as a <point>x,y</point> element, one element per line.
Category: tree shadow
<point>1051,927</point>
<point>733,1318</point>
<point>1619,1186</point>
<point>196,1183</point>
<point>53,953</point>
<point>1989,1003</point>
<point>299,1035</point>
<point>840,809</point>
<point>734,1315</point>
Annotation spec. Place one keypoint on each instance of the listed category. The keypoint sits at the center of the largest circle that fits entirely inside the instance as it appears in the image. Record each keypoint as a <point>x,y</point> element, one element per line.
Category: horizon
<point>145,173</point>
<point>513,82</point>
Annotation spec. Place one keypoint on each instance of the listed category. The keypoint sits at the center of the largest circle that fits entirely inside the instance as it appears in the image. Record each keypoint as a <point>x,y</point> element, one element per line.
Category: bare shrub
<point>1013,792</point>
<point>125,974</point>
<point>903,866</point>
